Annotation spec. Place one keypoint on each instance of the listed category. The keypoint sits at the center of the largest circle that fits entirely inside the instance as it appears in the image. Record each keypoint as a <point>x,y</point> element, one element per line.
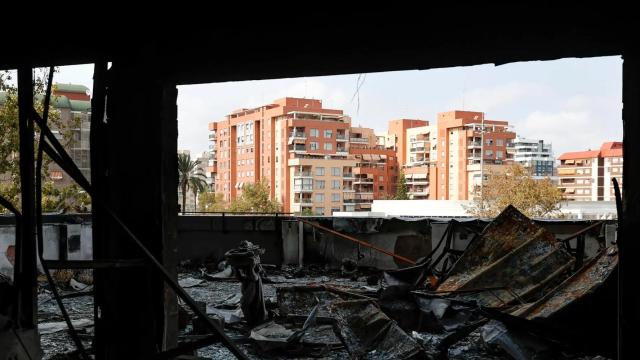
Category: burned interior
<point>278,286</point>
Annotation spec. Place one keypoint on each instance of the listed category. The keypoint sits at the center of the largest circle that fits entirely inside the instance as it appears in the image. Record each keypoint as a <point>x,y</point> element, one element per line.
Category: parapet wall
<point>286,240</point>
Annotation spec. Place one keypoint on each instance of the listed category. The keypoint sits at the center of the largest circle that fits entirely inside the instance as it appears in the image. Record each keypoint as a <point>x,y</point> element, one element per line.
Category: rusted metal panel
<point>581,284</point>
<point>514,257</point>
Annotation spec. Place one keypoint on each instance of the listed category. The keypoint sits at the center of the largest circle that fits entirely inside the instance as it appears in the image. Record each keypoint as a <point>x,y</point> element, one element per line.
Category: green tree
<point>255,198</point>
<point>189,177</point>
<point>10,144</point>
<point>402,190</point>
<point>306,212</point>
<point>211,202</point>
<point>534,198</point>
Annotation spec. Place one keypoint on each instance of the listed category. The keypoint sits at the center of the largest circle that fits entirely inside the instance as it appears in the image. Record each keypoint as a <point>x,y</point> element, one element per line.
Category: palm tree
<point>197,185</point>
<point>189,177</point>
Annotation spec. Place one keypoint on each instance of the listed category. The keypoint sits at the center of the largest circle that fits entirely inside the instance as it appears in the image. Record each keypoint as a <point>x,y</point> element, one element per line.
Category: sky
<point>576,104</point>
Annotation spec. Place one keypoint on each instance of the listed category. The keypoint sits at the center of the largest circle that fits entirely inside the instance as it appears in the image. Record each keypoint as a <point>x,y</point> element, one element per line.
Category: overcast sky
<point>575,104</point>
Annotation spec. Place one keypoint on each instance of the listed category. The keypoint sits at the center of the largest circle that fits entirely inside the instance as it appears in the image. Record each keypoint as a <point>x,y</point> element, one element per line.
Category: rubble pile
<point>516,292</point>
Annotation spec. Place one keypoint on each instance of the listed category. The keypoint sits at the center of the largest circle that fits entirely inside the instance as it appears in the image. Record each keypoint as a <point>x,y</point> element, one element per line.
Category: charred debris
<point>515,292</point>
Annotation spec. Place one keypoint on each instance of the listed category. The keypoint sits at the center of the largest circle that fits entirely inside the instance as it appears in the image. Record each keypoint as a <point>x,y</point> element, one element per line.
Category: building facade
<point>302,151</point>
<point>466,138</point>
<point>535,155</point>
<point>587,175</point>
<point>74,104</point>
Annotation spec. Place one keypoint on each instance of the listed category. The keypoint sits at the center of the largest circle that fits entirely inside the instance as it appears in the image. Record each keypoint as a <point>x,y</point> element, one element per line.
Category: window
<point>499,142</point>
<point>319,184</point>
<point>488,152</point>
<point>489,141</point>
<point>335,184</point>
<point>319,211</point>
<point>313,145</point>
<point>319,197</point>
<point>336,171</point>
<point>380,178</point>
<point>314,133</point>
<point>328,134</point>
<point>499,154</point>
<point>56,175</point>
<point>328,146</point>
<point>335,197</point>
<point>320,171</point>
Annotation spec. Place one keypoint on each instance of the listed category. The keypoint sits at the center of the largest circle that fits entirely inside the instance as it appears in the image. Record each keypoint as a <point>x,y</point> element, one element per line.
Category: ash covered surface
<point>418,312</point>
<point>55,340</point>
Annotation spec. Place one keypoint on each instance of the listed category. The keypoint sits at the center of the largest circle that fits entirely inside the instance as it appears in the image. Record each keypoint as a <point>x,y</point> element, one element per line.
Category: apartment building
<point>419,149</point>
<point>535,155</point>
<point>74,104</point>
<point>303,151</point>
<point>466,138</point>
<point>586,175</point>
<point>397,136</point>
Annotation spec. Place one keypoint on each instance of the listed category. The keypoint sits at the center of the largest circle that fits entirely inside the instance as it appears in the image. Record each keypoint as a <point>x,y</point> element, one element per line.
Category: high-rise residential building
<point>468,148</point>
<point>212,163</point>
<point>535,155</point>
<point>586,175</point>
<point>397,136</point>
<point>420,150</point>
<point>301,150</point>
<point>74,104</point>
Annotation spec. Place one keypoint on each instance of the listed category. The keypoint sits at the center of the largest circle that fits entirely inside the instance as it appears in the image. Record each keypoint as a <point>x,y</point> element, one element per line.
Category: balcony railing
<point>302,174</point>
<point>302,188</point>
<point>347,175</point>
<point>341,137</point>
<point>297,135</point>
<point>297,148</point>
<point>302,201</point>
<point>363,180</point>
<point>359,140</point>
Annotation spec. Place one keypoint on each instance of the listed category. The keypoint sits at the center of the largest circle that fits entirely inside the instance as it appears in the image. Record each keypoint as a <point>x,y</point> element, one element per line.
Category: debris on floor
<point>516,292</point>
<point>245,261</point>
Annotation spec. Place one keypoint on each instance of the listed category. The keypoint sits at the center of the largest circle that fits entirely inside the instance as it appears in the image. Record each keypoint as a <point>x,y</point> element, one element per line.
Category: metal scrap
<point>369,334</point>
<point>513,255</point>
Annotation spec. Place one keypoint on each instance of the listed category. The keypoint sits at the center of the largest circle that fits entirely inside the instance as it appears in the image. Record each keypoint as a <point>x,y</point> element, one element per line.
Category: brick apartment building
<point>302,151</point>
<point>586,175</point>
<point>442,161</point>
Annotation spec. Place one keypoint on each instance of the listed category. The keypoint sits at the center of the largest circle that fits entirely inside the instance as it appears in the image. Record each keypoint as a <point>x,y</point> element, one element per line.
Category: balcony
<point>359,140</point>
<point>298,135</point>
<point>304,202</point>
<point>341,137</point>
<point>348,189</point>
<point>212,136</point>
<point>302,174</point>
<point>363,181</point>
<point>474,145</point>
<point>417,182</point>
<point>303,189</point>
<point>347,176</point>
<point>298,149</point>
